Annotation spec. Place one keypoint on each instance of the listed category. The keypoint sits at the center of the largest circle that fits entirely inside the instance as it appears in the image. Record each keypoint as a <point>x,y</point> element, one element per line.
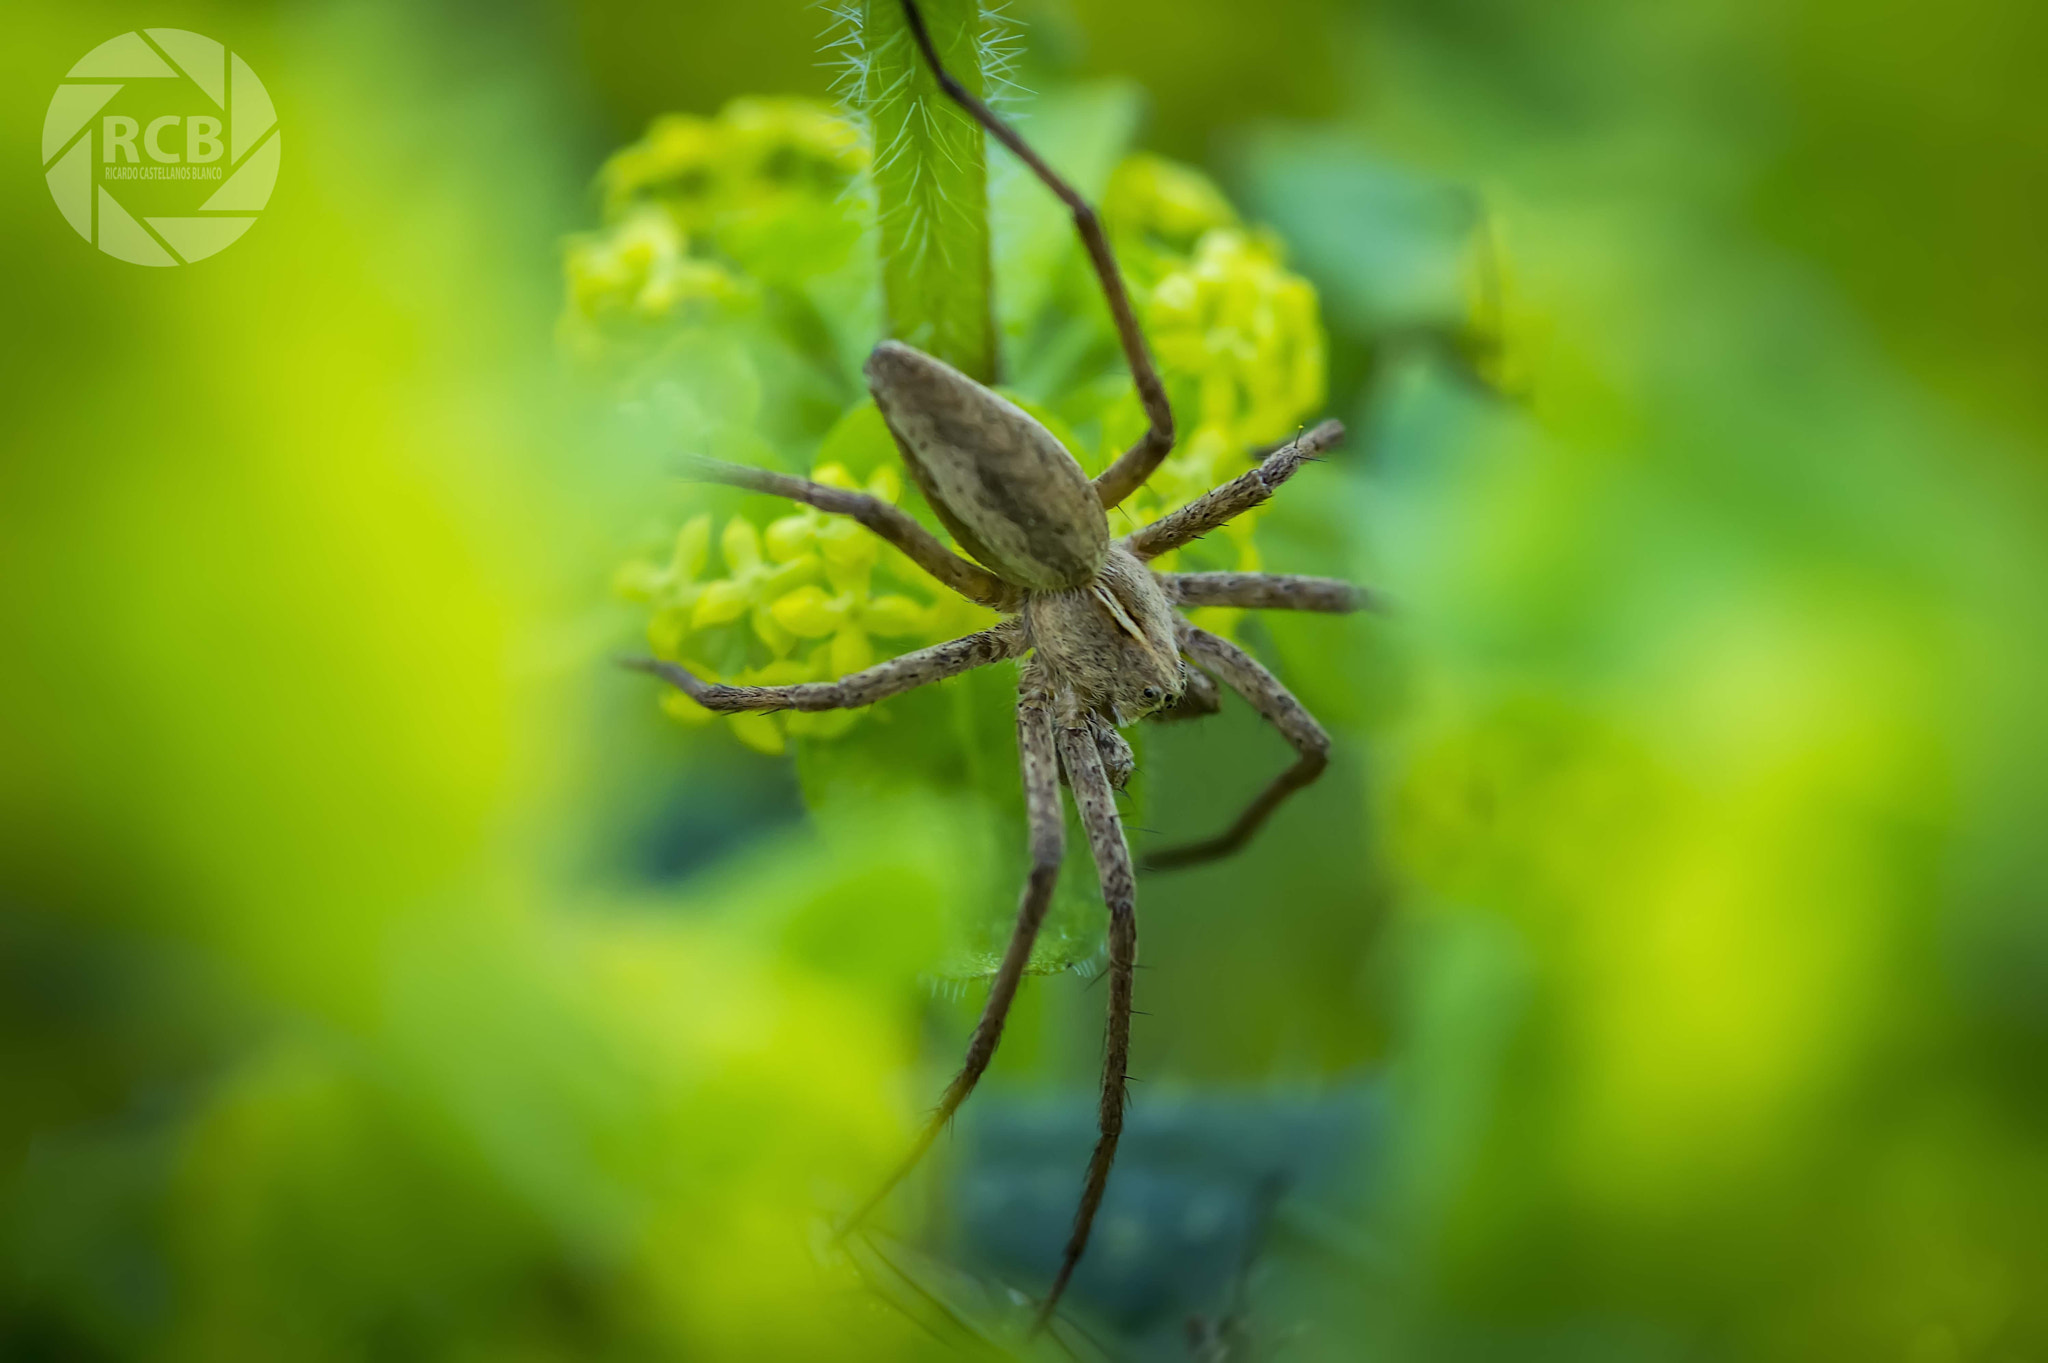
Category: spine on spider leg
<point>931,175</point>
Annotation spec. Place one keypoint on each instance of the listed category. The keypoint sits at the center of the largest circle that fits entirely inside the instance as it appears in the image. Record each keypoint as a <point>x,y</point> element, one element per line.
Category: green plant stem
<point>931,184</point>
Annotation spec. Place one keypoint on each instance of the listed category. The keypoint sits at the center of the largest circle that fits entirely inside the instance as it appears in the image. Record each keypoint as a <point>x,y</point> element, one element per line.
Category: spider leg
<point>850,692</point>
<point>1040,761</point>
<point>1096,804</point>
<point>1244,675</point>
<point>1136,464</point>
<point>1234,498</point>
<point>1266,591</point>
<point>892,523</point>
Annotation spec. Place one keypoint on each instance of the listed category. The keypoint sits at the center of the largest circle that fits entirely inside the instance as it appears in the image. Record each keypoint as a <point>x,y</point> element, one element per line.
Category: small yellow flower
<point>844,545</point>
<point>698,169</point>
<point>758,732</point>
<point>1247,329</point>
<point>849,613</point>
<point>635,277</point>
<point>1162,205</point>
<point>672,589</point>
<point>751,584</point>
<point>680,207</point>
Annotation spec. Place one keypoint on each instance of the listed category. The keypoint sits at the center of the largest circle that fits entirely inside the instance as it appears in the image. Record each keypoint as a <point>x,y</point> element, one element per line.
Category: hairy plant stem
<point>931,183</point>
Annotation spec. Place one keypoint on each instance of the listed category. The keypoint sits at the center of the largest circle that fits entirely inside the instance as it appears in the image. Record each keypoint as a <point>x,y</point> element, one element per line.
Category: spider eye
<point>1151,693</point>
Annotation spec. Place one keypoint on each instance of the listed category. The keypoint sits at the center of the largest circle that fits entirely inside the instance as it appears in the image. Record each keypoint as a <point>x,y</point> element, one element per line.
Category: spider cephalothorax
<point>1110,643</point>
<point>1099,631</point>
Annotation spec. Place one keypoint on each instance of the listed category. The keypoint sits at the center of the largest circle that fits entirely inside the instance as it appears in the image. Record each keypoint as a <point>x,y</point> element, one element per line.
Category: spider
<point>1103,644</point>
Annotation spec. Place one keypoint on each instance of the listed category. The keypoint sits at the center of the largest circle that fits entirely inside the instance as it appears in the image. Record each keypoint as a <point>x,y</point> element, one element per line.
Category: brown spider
<point>1105,643</point>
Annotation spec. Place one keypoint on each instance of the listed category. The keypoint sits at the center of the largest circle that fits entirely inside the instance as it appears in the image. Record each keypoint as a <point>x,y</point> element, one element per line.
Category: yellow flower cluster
<point>638,274</point>
<point>753,154</point>
<point>697,212</point>
<point>805,589</point>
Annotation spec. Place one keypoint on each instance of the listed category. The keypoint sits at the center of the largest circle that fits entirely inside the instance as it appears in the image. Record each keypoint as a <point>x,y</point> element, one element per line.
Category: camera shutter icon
<point>84,153</point>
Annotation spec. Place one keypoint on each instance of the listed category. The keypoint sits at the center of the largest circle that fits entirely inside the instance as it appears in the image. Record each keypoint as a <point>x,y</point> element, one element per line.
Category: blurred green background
<point>1661,973</point>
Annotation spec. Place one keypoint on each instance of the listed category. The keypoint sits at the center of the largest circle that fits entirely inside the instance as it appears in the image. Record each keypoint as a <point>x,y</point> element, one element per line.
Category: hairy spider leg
<point>854,690</point>
<point>1266,591</point>
<point>892,523</point>
<point>1095,802</point>
<point>1039,758</point>
<point>1242,674</point>
<point>1219,506</point>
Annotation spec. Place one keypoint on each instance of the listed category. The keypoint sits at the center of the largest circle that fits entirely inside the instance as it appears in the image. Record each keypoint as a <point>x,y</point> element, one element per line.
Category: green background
<point>381,977</point>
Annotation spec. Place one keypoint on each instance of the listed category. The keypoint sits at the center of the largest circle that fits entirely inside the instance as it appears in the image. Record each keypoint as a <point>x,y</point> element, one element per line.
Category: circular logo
<point>160,147</point>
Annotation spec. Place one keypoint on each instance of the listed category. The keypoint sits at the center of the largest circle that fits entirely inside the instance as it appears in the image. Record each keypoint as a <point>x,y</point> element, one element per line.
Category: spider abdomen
<point>1004,485</point>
